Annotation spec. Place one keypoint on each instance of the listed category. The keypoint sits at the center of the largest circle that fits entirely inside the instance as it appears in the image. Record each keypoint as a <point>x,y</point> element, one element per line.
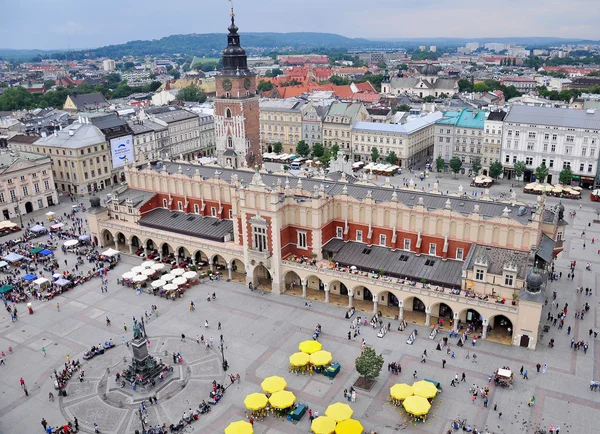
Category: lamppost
<point>141,415</point>
<point>222,347</point>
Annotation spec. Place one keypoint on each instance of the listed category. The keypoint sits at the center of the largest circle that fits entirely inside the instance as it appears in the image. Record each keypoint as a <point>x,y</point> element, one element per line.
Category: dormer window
<point>479,274</point>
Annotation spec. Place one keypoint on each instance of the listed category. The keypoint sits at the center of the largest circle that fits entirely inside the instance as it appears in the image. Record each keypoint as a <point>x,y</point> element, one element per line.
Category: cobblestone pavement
<point>261,331</point>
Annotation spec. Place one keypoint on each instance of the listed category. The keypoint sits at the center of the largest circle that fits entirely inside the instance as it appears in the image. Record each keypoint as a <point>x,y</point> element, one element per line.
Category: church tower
<point>237,116</point>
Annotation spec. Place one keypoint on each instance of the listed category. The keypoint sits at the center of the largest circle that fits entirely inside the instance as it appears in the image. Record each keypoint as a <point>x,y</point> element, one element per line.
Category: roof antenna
<point>232,13</point>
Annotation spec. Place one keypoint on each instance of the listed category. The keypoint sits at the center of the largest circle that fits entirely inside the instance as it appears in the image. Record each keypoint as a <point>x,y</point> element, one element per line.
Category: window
<point>568,149</point>
<point>531,135</point>
<point>508,280</point>
<point>551,163</point>
<point>46,185</point>
<point>230,214</point>
<point>179,206</point>
<point>213,211</point>
<point>546,136</point>
<point>359,236</point>
<point>553,148</point>
<point>432,248</point>
<point>1,197</point>
<point>13,195</point>
<point>259,238</point>
<point>479,274</point>
<point>339,232</point>
<point>229,142</point>
<point>529,161</point>
<point>382,240</point>
<point>581,166</point>
<point>545,147</point>
<point>165,205</point>
<point>406,244</point>
<point>583,152</point>
<point>36,187</point>
<point>301,240</point>
<point>570,139</point>
<point>590,167</point>
<point>22,177</point>
<point>459,253</point>
<point>554,137</point>
<point>566,164</point>
<point>228,113</point>
<point>25,191</point>
<point>592,152</point>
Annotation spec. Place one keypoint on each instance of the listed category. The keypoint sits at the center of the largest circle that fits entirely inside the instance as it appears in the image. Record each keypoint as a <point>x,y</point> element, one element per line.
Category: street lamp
<point>141,415</point>
<point>225,364</point>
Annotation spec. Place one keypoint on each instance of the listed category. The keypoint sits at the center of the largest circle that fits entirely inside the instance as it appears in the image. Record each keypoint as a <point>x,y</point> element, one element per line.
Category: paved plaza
<point>260,333</point>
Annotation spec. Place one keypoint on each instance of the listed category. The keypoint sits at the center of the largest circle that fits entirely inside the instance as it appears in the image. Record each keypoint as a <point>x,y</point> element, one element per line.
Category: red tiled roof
<point>365,87</point>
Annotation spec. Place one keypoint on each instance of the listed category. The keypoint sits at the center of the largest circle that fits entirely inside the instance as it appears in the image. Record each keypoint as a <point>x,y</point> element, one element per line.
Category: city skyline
<point>86,26</point>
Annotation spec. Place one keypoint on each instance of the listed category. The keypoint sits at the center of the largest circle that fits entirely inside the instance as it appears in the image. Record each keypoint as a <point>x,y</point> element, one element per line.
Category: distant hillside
<point>211,44</point>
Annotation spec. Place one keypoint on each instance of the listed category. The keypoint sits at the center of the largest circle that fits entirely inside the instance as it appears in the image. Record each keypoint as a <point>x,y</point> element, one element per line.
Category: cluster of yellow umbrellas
<point>416,405</point>
<point>415,398</point>
<point>337,419</point>
<point>310,347</point>
<point>239,427</point>
<point>311,352</point>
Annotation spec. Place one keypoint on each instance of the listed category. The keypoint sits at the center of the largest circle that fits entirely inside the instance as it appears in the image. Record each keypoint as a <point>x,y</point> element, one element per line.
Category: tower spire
<point>232,12</point>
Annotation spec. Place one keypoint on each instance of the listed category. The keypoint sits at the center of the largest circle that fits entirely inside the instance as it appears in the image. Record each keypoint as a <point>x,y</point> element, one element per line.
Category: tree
<point>476,165</point>
<point>49,84</point>
<point>264,86</point>
<point>429,98</point>
<point>392,158</point>
<point>326,157</point>
<point>481,87</point>
<point>440,163</point>
<point>191,93</point>
<point>519,169</point>
<point>175,74</point>
<point>334,151</point>
<point>455,165</point>
<point>566,175</point>
<point>496,169</point>
<point>374,154</point>
<point>381,64</point>
<point>369,364</point>
<point>274,73</point>
<point>277,147</point>
<point>541,173</point>
<point>302,148</point>
<point>318,150</point>
<point>403,108</point>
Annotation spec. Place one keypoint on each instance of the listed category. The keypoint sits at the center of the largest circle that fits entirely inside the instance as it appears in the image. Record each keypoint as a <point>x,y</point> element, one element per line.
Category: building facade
<point>237,111</point>
<point>339,121</point>
<point>438,257</point>
<point>312,122</point>
<point>26,183</point>
<point>460,134</point>
<point>554,136</point>
<point>411,142</point>
<point>428,83</point>
<point>281,121</point>
<point>492,140</point>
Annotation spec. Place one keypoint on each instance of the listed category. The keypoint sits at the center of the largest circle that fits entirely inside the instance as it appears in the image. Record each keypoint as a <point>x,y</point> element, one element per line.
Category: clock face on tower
<point>227,84</point>
<point>247,83</point>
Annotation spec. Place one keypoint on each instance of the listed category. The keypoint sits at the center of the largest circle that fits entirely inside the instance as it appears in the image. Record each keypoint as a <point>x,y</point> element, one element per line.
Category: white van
<point>296,165</point>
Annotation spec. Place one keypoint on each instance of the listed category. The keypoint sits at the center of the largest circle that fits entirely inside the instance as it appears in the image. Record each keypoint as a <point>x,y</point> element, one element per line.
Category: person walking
<point>182,337</point>
<point>58,307</point>
<point>495,405</point>
<point>443,363</point>
<point>525,377</point>
<point>44,423</point>
<point>415,375</point>
<point>544,369</point>
<point>464,377</point>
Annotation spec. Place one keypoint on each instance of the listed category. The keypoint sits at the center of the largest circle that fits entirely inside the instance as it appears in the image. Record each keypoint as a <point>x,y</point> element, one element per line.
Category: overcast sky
<point>49,24</point>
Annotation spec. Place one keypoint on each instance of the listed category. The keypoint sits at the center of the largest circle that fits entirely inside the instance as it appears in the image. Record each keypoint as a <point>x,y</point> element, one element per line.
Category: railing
<point>232,248</point>
<point>367,281</point>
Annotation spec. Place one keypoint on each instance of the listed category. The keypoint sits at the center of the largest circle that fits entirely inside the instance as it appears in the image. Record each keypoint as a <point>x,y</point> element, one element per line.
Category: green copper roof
<point>467,118</point>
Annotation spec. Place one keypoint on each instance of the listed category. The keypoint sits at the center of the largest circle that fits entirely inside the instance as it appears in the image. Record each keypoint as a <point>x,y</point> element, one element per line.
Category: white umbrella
<point>158,266</point>
<point>57,275</point>
<point>179,281</point>
<point>190,274</point>
<point>129,275</point>
<point>168,277</point>
<point>139,278</point>
<point>158,283</point>
<point>353,267</point>
<point>170,287</point>
<point>148,264</point>
<point>71,243</point>
<point>177,272</point>
<point>149,272</point>
<point>138,269</point>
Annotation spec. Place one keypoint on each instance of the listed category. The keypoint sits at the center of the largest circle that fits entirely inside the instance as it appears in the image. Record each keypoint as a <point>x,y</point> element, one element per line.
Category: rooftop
<point>407,128</point>
<point>497,258</point>
<point>558,117</point>
<point>171,113</point>
<point>210,228</point>
<point>289,104</point>
<point>74,137</point>
<point>138,197</point>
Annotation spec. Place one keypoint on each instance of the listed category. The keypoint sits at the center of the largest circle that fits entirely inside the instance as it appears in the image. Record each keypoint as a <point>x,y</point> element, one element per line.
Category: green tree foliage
<point>274,73</point>
<point>381,64</point>
<point>326,157</point>
<point>392,158</point>
<point>175,74</point>
<point>429,98</point>
<point>519,169</point>
<point>334,151</point>
<point>566,176</point>
<point>403,108</point>
<point>338,81</point>
<point>112,80</point>
<point>455,165</point>
<point>440,163</point>
<point>541,173</point>
<point>292,82</point>
<point>192,94</point>
<point>369,364</point>
<point>264,86</point>
<point>465,85</point>
<point>374,154</point>
<point>476,165</point>
<point>425,55</point>
<point>302,148</point>
<point>49,84</point>
<point>481,87</point>
<point>277,147</point>
<point>496,169</point>
<point>318,150</point>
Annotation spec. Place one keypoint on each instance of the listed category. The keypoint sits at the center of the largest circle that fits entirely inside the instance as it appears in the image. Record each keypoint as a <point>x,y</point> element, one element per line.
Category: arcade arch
<point>261,278</point>
<point>499,329</point>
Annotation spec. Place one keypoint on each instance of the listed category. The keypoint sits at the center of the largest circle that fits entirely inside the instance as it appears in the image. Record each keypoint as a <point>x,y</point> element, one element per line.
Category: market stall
<point>504,378</point>
<point>70,243</point>
<point>29,277</point>
<point>13,258</point>
<point>38,230</point>
<point>46,252</point>
<point>257,403</point>
<point>3,265</point>
<point>6,289</point>
<point>110,253</point>
<point>63,283</point>
<point>41,284</point>
<point>50,216</point>
<point>281,401</point>
<point>57,227</point>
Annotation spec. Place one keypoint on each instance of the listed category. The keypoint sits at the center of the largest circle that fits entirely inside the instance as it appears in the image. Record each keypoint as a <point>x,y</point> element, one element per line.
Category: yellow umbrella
<point>349,426</point>
<point>273,384</point>
<point>416,405</point>
<point>321,358</point>
<point>299,359</point>
<point>239,427</point>
<point>282,399</point>
<point>256,401</point>
<point>425,389</point>
<point>339,411</point>
<point>323,425</point>
<point>401,391</point>
<point>310,347</point>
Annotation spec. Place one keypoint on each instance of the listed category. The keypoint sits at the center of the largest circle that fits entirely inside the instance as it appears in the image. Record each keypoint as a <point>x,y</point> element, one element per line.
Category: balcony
<point>403,285</point>
<point>257,256</point>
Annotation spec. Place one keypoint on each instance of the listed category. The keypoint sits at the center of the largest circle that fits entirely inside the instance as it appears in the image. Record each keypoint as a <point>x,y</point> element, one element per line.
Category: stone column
<point>456,324</point>
<point>130,248</point>
<point>374,304</point>
<point>427,316</point>
<point>485,326</point>
<point>304,283</point>
<point>326,288</point>
<point>400,312</point>
<point>160,254</point>
<point>116,244</point>
<point>350,299</point>
<point>230,271</point>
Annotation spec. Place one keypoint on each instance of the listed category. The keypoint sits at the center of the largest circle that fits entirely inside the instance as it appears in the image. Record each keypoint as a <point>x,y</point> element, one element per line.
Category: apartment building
<point>411,142</point>
<point>281,121</point>
<point>556,137</point>
<point>339,121</point>
<point>312,122</point>
<point>492,140</point>
<point>460,134</point>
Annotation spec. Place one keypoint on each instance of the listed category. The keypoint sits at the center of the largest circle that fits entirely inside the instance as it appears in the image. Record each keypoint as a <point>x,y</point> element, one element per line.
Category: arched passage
<point>136,245</point>
<point>151,249</point>
<point>471,320</point>
<point>219,263</point>
<point>442,315</point>
<point>363,298</point>
<point>414,310</point>
<point>238,270</point>
<point>28,207</point>
<point>387,304</point>
<point>167,252</point>
<point>500,329</point>
<point>201,260</point>
<point>261,278</point>
<point>107,239</point>
<point>292,283</point>
<point>122,240</point>
<point>183,255</point>
<point>338,293</point>
<point>315,289</point>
